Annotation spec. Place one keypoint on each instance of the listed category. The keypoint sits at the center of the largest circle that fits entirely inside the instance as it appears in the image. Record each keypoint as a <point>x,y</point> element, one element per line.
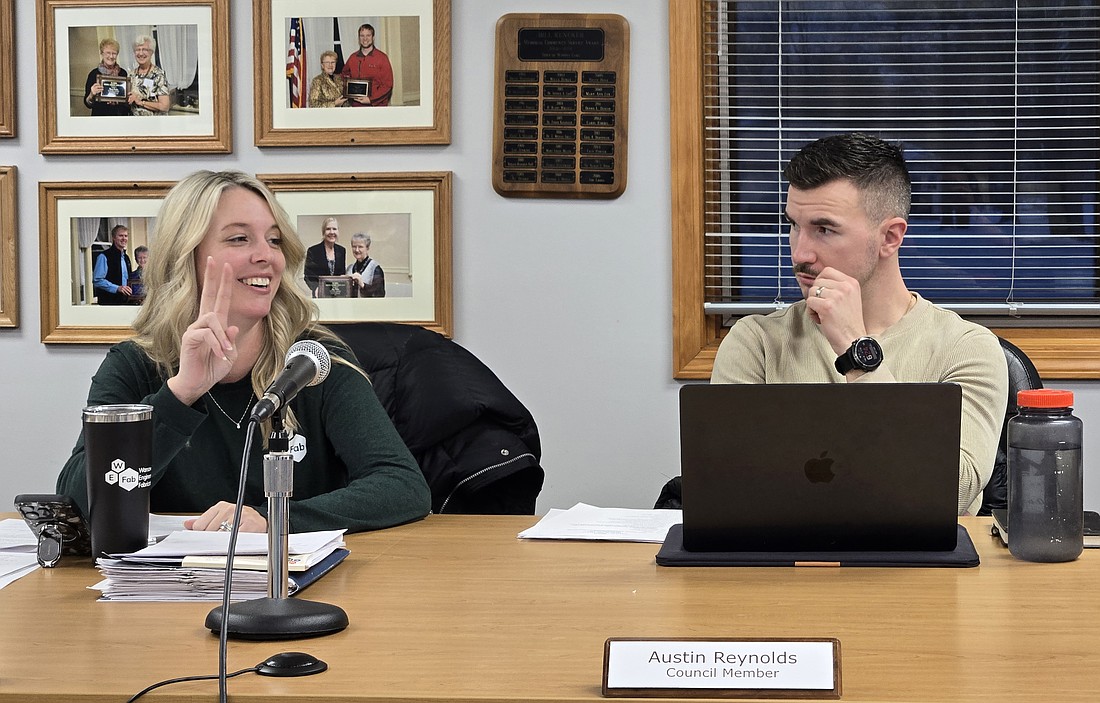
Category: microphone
<point>307,364</point>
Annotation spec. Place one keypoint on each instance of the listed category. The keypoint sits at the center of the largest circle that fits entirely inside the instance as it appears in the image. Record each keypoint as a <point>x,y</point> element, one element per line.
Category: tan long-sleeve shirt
<point>929,344</point>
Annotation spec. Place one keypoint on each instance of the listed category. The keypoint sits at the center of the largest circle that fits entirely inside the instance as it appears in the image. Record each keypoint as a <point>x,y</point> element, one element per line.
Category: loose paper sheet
<point>587,522</point>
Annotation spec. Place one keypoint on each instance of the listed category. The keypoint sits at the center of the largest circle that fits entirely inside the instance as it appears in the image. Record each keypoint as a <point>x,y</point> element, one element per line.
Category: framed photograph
<point>7,68</point>
<point>311,55</point>
<point>112,89</point>
<point>170,57</point>
<point>85,231</point>
<point>387,234</point>
<point>9,281</point>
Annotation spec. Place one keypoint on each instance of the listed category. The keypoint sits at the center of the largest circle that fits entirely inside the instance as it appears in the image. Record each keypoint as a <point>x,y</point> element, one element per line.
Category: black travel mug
<point>118,455</point>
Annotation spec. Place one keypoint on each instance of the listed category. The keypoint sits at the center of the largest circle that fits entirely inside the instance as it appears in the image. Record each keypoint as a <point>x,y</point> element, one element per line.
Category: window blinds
<point>996,104</point>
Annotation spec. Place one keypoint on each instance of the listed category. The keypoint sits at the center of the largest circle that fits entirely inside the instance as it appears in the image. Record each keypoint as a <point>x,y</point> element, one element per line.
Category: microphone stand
<point>278,617</point>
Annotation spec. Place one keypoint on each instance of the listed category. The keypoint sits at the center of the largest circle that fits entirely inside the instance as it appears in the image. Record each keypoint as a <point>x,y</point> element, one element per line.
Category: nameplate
<point>721,668</point>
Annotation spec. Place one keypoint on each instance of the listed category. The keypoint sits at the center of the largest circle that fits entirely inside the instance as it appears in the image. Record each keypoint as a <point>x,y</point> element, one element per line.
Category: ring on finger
<point>226,526</point>
<point>817,293</point>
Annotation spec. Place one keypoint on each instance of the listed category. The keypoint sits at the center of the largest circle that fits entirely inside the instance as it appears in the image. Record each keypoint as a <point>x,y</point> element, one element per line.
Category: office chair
<point>1022,376</point>
<point>476,444</point>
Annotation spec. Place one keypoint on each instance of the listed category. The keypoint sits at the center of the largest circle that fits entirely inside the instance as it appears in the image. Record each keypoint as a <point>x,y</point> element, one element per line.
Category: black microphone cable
<point>223,635</point>
<point>234,530</point>
<point>181,679</point>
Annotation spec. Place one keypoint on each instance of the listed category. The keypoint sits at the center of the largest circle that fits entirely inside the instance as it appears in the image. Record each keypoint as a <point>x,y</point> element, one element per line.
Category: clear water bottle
<point>1045,508</point>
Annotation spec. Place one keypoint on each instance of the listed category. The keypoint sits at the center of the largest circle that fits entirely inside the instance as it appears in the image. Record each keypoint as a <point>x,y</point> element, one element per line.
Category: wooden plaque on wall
<point>560,108</point>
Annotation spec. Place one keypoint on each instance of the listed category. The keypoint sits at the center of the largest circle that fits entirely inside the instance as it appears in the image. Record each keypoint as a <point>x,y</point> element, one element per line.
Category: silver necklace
<point>227,417</point>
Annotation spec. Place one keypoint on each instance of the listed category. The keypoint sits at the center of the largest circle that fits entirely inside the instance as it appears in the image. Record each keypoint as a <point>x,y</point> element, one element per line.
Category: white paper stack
<point>166,572</point>
<point>128,581</point>
<point>18,545</point>
<point>17,550</point>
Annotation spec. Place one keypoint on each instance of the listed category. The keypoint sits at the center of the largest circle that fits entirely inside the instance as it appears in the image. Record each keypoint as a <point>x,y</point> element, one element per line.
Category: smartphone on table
<point>58,525</point>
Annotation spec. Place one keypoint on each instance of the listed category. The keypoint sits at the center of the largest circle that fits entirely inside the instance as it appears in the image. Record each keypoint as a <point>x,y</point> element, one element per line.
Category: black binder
<point>302,579</point>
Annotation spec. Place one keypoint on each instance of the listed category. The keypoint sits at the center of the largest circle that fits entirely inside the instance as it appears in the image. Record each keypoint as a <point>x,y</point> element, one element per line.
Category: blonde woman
<point>327,89</point>
<point>221,310</point>
<point>326,257</point>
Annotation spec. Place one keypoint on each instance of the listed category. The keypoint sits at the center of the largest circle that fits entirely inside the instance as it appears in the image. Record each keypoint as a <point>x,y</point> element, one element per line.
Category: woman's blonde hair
<point>328,54</point>
<point>111,43</point>
<point>172,282</point>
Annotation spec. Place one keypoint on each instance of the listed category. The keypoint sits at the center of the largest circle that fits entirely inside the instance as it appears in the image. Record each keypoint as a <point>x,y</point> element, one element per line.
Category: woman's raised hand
<point>207,349</point>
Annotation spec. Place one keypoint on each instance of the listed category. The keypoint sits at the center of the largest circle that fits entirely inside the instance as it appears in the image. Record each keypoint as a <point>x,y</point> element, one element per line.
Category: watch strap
<point>849,360</point>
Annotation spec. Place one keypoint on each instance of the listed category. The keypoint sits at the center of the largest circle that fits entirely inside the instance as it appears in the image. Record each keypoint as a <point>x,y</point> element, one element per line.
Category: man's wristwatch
<point>865,353</point>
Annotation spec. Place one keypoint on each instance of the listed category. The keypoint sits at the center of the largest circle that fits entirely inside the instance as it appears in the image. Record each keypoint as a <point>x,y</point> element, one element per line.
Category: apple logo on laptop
<point>820,469</point>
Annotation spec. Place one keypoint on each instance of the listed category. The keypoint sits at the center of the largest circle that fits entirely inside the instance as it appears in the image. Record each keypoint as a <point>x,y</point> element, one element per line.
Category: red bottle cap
<point>1044,398</point>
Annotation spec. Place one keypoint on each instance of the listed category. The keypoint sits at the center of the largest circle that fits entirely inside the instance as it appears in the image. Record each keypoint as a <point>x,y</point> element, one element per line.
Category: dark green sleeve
<point>384,486</point>
<point>127,376</point>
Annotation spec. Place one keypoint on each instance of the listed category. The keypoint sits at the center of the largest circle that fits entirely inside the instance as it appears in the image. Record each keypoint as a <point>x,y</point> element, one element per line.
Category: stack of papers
<point>17,550</point>
<point>189,566</point>
<point>588,522</point>
<point>125,581</point>
<point>19,546</point>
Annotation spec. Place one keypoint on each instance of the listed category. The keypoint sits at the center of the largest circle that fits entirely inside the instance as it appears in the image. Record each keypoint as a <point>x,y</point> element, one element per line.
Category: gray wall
<point>568,301</point>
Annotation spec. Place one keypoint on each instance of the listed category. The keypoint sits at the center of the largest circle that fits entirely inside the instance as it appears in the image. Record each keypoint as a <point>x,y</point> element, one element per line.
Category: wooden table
<point>456,608</point>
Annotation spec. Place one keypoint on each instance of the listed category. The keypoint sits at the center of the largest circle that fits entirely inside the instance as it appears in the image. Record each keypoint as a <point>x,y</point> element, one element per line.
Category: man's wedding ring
<point>226,526</point>
<point>817,293</point>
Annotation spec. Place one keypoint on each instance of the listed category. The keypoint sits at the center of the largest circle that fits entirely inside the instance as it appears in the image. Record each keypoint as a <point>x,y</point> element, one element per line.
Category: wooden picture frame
<point>199,116</point>
<point>9,259</point>
<point>415,35</point>
<point>408,219</point>
<point>69,315</point>
<point>7,68</point>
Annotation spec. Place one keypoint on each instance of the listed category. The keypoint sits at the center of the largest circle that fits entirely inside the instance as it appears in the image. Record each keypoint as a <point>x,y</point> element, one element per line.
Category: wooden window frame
<point>1057,352</point>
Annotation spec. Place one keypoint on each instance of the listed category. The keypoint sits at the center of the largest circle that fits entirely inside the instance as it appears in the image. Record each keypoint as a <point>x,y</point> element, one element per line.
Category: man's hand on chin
<point>834,301</point>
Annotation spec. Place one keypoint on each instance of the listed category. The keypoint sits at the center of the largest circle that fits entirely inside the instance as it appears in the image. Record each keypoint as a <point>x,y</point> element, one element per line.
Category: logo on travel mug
<point>124,478</point>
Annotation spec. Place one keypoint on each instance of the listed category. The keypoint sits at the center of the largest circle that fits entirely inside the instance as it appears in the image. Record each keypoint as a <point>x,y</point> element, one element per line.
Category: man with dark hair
<point>111,274</point>
<point>848,208</point>
<point>370,64</point>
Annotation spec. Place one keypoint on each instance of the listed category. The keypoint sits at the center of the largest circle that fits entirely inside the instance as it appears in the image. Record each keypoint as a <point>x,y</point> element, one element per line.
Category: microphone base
<point>278,619</point>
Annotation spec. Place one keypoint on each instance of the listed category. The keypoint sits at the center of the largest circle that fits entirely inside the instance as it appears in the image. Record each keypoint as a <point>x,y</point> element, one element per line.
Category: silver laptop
<point>820,467</point>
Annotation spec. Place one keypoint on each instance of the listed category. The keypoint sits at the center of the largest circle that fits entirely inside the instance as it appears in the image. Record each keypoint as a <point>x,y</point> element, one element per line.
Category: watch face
<point>867,352</point>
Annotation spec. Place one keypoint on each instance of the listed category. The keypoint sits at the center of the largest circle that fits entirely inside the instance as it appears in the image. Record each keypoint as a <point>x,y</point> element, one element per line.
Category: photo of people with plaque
<point>96,241</point>
<point>387,59</point>
<point>135,70</point>
<point>378,245</point>
<point>108,256</point>
<point>357,255</point>
<point>352,61</point>
<point>103,63</point>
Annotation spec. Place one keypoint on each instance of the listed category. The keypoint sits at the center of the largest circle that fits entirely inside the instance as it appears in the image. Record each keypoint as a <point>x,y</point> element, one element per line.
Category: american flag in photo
<point>296,64</point>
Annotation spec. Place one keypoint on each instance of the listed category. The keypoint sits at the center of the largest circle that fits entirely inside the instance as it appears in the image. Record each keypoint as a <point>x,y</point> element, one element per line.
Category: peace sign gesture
<point>207,348</point>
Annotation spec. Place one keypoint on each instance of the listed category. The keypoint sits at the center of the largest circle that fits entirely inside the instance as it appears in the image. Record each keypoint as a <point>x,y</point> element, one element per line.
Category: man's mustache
<point>806,269</point>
